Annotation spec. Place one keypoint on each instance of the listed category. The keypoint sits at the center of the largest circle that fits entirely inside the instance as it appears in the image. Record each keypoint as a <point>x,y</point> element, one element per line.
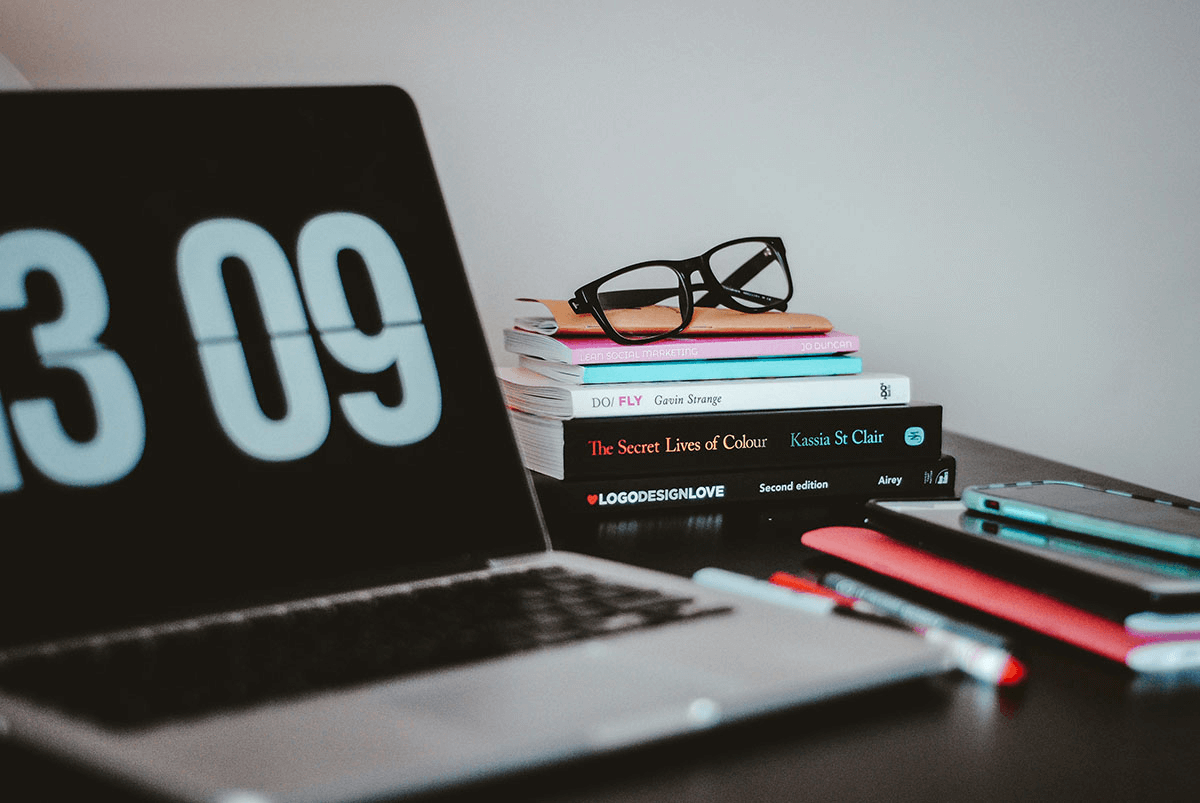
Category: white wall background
<point>1001,198</point>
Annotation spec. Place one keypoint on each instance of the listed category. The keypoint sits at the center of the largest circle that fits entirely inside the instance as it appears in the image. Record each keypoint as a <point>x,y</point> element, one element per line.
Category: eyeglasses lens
<point>751,272</point>
<point>642,287</point>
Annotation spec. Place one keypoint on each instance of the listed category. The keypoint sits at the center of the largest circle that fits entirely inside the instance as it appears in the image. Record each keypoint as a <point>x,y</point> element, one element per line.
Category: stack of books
<point>716,418</point>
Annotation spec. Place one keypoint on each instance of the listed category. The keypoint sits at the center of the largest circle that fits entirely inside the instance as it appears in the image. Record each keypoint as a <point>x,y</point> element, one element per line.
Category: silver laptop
<point>265,530</point>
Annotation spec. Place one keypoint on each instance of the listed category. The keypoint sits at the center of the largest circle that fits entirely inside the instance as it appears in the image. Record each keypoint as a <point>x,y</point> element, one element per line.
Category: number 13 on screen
<point>72,342</point>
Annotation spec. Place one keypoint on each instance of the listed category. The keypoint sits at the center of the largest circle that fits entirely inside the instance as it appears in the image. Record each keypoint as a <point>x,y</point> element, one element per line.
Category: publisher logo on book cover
<point>914,436</point>
<point>657,495</point>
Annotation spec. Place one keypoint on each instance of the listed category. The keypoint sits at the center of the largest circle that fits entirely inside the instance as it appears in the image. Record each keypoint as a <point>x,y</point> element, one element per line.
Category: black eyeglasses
<point>749,275</point>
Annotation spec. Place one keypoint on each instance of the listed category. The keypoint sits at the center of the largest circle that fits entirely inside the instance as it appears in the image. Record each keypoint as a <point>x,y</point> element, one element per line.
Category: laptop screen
<point>238,357</point>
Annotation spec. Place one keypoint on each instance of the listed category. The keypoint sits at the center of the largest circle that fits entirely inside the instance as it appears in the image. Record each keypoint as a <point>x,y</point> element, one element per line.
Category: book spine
<point>690,443</point>
<point>712,348</point>
<point>752,368</point>
<point>932,478</point>
<point>640,399</point>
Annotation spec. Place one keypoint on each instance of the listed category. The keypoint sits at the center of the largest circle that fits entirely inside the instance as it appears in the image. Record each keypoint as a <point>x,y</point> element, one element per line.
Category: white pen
<point>742,585</point>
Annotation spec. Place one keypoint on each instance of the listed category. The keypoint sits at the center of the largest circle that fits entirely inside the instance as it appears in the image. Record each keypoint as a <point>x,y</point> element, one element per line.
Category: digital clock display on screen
<point>116,421</point>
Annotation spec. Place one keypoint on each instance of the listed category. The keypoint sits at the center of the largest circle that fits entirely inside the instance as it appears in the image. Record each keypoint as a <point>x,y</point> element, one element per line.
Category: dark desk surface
<point>1080,728</point>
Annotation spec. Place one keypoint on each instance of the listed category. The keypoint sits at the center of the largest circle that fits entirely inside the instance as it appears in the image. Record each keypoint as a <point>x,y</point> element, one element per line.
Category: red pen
<point>810,586</point>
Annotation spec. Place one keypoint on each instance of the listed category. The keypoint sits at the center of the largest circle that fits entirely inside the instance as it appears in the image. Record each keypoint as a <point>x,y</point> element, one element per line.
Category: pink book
<point>595,350</point>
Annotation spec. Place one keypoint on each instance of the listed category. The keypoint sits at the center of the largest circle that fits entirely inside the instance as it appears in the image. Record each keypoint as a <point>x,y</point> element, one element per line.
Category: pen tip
<point>1014,673</point>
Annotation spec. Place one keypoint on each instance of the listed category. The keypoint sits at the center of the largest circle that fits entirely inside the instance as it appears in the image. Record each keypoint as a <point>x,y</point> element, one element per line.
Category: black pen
<point>906,611</point>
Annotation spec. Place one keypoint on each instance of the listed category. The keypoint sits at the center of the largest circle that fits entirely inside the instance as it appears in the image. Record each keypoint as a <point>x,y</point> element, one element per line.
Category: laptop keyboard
<point>191,669</point>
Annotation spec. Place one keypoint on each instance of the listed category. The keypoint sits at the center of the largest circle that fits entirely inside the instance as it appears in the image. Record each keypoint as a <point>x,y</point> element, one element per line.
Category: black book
<point>583,448</point>
<point>786,485</point>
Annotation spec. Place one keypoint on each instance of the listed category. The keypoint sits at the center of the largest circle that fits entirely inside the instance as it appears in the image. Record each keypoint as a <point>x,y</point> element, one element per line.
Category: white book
<point>532,393</point>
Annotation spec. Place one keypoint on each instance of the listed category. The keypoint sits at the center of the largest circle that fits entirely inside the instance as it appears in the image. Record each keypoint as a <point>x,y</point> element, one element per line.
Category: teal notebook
<point>752,368</point>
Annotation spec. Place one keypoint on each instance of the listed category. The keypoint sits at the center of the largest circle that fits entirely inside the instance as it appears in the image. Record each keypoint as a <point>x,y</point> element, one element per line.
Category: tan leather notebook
<point>562,320</point>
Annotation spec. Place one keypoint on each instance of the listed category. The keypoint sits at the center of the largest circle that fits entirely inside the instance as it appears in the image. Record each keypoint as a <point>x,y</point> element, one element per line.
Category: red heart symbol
<point>593,499</point>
